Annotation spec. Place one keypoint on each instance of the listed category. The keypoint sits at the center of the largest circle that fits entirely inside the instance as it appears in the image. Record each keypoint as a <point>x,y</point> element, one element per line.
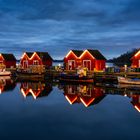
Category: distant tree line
<point>124,58</point>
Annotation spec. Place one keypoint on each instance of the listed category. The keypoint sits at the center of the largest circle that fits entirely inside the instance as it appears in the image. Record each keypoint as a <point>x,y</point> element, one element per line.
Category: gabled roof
<point>136,54</point>
<point>43,55</point>
<point>8,57</point>
<point>77,52</point>
<point>97,54</point>
<point>29,54</point>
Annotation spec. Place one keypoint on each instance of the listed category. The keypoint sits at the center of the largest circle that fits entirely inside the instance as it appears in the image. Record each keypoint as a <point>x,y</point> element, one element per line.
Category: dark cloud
<point>112,26</point>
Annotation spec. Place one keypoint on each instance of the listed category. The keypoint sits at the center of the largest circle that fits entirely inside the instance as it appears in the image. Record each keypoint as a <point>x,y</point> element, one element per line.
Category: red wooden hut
<point>136,60</point>
<point>35,89</point>
<point>7,60</point>
<point>92,59</point>
<point>72,61</point>
<point>85,94</point>
<point>36,58</point>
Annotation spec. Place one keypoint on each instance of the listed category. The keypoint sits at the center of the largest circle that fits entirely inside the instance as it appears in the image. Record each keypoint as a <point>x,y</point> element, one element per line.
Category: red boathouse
<point>91,59</point>
<point>36,58</point>
<point>136,60</point>
<point>7,60</point>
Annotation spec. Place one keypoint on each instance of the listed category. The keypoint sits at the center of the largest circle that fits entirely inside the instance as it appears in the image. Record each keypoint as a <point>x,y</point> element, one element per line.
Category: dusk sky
<point>56,26</point>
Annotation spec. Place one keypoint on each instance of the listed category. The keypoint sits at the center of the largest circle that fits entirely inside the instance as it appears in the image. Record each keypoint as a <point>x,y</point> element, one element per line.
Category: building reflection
<point>130,91</point>
<point>6,84</point>
<point>36,89</point>
<point>85,94</point>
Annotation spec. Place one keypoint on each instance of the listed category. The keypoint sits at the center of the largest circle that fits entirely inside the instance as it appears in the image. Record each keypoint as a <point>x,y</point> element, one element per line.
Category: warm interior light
<point>137,108</point>
<point>70,53</point>
<point>23,92</point>
<point>137,54</point>
<point>34,94</point>
<point>86,51</point>
<point>70,101</point>
<point>87,104</point>
<point>34,55</point>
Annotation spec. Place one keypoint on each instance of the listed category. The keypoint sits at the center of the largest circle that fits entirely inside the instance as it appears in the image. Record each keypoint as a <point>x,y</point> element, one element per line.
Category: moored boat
<point>5,73</point>
<point>76,78</point>
<point>124,80</point>
<point>80,77</point>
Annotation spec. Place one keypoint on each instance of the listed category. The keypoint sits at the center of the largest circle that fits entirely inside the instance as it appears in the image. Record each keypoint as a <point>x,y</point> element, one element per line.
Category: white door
<point>87,64</point>
<point>25,64</point>
<point>71,64</point>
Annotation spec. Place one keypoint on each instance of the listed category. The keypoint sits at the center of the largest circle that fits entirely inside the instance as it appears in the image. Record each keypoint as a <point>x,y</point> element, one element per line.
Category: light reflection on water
<point>39,110</point>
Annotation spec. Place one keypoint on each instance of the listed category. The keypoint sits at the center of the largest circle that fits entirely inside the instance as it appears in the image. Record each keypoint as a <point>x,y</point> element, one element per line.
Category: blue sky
<point>56,26</point>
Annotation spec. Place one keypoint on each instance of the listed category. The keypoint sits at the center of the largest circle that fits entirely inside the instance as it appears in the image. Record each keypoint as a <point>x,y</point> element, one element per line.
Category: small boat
<point>5,73</point>
<point>75,78</point>
<point>124,80</point>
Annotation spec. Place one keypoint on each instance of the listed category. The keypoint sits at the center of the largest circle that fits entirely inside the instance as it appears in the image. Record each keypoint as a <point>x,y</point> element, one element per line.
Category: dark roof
<point>8,57</point>
<point>97,54</point>
<point>77,52</point>
<point>29,54</point>
<point>43,55</point>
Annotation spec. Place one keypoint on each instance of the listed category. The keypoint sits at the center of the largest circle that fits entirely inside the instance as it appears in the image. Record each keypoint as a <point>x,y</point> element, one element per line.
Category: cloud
<point>108,25</point>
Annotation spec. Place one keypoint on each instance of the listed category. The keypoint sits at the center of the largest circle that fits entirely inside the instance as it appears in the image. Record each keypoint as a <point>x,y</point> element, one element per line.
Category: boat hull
<point>76,78</point>
<point>124,80</point>
<point>6,73</point>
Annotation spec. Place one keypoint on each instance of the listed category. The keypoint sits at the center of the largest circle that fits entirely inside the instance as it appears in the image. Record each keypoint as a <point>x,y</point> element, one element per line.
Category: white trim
<point>69,62</point>
<point>87,61</point>
<point>86,51</point>
<point>139,63</point>
<point>70,53</point>
<point>137,53</point>
<point>25,61</point>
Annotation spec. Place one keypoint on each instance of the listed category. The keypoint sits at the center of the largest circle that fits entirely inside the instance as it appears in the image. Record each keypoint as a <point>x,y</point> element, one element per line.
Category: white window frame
<point>25,61</point>
<point>87,61</point>
<point>69,62</point>
<point>35,62</point>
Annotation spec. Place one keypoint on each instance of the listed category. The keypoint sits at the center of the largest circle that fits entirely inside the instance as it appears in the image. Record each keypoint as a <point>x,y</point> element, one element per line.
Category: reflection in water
<point>86,94</point>
<point>6,84</point>
<point>136,102</point>
<point>36,89</point>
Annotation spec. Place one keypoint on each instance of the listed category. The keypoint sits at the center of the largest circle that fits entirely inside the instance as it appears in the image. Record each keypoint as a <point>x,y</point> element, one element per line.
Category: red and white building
<point>83,94</point>
<point>7,60</point>
<point>36,58</point>
<point>35,89</point>
<point>92,59</point>
<point>136,60</point>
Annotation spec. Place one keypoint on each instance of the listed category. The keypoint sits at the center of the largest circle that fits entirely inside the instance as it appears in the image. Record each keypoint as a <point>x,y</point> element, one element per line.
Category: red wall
<point>135,61</point>
<point>8,64</point>
<point>71,56</point>
<point>47,63</point>
<point>87,56</point>
<point>99,65</point>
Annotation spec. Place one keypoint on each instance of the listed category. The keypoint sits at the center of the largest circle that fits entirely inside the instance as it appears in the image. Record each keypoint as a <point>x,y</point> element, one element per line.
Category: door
<point>87,64</point>
<point>25,64</point>
<point>71,64</point>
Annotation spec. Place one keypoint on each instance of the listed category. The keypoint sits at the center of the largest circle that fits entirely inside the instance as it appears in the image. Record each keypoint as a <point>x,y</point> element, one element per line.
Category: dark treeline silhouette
<point>124,58</point>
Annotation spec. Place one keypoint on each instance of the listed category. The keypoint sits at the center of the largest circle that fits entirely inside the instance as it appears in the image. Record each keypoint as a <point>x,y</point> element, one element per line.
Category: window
<point>35,62</point>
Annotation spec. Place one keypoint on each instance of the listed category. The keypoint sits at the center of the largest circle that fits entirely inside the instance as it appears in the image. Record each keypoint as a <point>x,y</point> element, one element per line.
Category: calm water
<point>35,110</point>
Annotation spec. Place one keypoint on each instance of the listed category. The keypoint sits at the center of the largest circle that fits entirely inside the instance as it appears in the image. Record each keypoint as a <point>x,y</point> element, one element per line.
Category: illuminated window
<point>35,62</point>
